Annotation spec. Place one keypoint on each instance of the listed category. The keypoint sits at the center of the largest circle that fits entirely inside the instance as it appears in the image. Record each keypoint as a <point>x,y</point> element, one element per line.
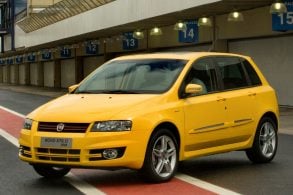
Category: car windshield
<point>133,76</point>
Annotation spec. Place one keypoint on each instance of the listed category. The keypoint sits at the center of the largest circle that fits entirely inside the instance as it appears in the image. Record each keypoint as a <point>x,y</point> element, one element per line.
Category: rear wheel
<point>265,142</point>
<point>161,159</point>
<point>50,171</point>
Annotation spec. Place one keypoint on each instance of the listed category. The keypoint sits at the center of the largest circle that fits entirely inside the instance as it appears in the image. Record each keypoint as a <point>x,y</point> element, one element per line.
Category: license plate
<point>56,142</point>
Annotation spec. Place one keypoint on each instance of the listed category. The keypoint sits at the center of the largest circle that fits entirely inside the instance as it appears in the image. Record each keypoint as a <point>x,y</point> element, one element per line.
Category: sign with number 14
<point>190,35</point>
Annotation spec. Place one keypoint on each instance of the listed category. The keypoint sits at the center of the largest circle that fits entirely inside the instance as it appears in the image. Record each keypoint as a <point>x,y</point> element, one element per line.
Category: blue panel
<point>91,49</point>
<point>190,35</point>
<point>283,22</point>
<point>10,61</point>
<point>31,57</point>
<point>2,61</point>
<point>65,52</point>
<point>129,42</point>
<point>46,55</point>
<point>19,59</point>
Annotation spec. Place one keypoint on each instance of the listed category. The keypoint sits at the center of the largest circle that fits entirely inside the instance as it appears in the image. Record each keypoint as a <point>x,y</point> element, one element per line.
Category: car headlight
<point>27,124</point>
<point>105,126</point>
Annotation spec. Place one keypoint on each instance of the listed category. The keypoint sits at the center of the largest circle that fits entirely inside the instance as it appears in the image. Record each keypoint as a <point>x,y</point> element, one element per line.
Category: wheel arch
<point>173,128</point>
<point>273,116</point>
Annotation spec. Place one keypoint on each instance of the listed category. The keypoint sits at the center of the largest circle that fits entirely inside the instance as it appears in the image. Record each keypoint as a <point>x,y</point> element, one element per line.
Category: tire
<point>161,158</point>
<point>51,172</point>
<point>265,142</point>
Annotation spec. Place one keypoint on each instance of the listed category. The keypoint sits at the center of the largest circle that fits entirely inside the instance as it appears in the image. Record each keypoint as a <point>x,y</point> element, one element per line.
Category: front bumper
<point>86,149</point>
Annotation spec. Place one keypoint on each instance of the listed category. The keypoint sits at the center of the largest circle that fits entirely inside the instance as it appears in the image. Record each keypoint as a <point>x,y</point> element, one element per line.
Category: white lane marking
<point>205,185</point>
<point>9,137</point>
<point>79,184</point>
<point>82,186</point>
<point>12,112</point>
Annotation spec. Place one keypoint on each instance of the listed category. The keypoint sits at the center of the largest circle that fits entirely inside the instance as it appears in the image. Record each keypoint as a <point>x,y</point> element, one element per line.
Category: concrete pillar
<point>8,74</point>
<point>78,69</point>
<point>16,73</point>
<point>57,73</point>
<point>40,76</point>
<point>27,74</point>
<point>1,74</point>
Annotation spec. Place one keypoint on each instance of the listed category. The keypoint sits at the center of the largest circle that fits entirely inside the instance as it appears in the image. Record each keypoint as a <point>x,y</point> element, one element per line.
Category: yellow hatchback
<point>148,112</point>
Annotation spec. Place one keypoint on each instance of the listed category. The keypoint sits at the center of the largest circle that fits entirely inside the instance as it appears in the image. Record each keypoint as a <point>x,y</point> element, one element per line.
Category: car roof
<point>175,55</point>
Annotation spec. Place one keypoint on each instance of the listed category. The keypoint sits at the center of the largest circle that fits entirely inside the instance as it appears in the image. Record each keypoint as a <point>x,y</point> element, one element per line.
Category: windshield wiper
<point>118,91</point>
<point>84,92</point>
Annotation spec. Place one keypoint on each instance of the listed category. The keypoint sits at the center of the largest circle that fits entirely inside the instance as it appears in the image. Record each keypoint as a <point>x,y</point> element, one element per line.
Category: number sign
<point>46,55</point>
<point>65,52</point>
<point>129,42</point>
<point>19,59</point>
<point>284,22</point>
<point>190,35</point>
<point>9,60</point>
<point>91,49</point>
<point>31,57</point>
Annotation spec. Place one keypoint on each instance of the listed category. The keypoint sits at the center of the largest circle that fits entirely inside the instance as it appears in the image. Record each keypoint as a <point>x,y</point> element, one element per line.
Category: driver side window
<point>203,73</point>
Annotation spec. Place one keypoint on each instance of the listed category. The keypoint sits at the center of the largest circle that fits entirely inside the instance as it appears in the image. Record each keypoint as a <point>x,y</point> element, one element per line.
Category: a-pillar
<point>57,73</point>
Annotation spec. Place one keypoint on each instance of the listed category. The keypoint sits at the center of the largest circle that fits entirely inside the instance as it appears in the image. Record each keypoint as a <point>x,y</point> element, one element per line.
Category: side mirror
<point>72,88</point>
<point>193,89</point>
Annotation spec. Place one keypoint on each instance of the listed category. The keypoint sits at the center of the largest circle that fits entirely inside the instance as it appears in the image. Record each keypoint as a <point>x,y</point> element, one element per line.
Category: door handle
<point>251,94</point>
<point>221,99</point>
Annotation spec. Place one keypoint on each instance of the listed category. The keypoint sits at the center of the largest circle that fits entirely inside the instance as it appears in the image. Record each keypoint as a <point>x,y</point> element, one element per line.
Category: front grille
<point>68,127</point>
<point>61,155</point>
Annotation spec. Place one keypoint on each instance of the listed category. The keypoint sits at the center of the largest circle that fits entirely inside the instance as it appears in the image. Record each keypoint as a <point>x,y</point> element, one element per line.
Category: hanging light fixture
<point>156,31</point>
<point>138,34</point>
<point>180,26</point>
<point>278,7</point>
<point>235,16</point>
<point>204,21</point>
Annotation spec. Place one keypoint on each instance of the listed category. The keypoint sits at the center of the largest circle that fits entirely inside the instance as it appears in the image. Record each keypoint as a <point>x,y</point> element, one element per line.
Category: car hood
<point>89,107</point>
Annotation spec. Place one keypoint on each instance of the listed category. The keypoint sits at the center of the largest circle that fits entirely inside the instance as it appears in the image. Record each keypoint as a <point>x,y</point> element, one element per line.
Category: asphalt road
<point>231,170</point>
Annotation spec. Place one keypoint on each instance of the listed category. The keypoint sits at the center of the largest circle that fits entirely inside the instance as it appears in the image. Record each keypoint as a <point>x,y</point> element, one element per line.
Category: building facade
<point>63,41</point>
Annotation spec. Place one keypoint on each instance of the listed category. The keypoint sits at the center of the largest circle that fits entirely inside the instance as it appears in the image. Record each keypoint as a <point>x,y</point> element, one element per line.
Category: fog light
<point>20,150</point>
<point>110,153</point>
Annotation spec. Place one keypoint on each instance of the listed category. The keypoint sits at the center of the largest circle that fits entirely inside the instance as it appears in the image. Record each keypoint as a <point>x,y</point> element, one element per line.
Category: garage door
<point>21,74</point>
<point>49,74</point>
<point>34,73</point>
<point>91,63</point>
<point>67,73</point>
<point>275,59</point>
<point>12,74</point>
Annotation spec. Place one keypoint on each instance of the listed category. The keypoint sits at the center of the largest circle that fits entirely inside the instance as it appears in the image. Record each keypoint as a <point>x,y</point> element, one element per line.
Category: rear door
<point>240,98</point>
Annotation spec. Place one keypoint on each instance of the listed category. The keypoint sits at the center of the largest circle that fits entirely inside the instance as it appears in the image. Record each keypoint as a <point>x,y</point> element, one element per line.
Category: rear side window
<point>232,72</point>
<point>254,79</point>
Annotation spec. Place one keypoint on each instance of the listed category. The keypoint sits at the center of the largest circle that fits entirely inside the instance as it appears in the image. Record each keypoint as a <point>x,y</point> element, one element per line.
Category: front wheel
<point>161,159</point>
<point>265,142</point>
<point>50,171</point>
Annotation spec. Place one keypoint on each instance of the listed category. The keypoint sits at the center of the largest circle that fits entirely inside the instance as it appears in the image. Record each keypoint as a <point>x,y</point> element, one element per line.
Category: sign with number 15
<point>190,35</point>
<point>284,22</point>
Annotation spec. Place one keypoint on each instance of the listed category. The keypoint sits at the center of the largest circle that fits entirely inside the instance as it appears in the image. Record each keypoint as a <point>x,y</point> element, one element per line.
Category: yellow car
<point>148,112</point>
